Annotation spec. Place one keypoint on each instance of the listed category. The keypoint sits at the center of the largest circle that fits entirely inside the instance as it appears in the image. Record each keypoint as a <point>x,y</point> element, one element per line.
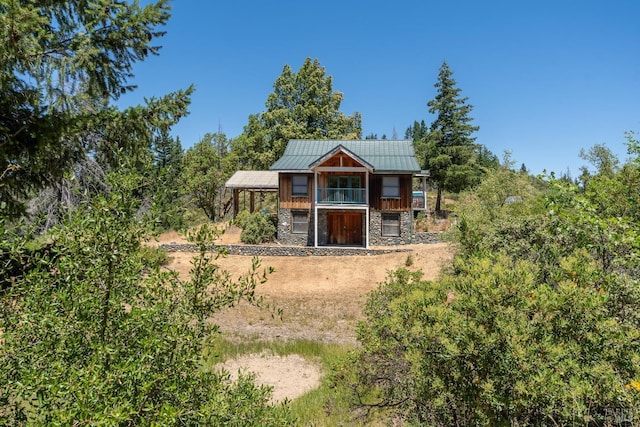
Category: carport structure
<point>251,182</point>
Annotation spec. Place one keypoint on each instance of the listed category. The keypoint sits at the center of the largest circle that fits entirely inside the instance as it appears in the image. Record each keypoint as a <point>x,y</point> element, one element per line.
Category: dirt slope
<point>321,297</point>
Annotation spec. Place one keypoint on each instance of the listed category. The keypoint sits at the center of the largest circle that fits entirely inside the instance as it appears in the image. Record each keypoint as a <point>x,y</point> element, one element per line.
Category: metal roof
<point>254,180</point>
<point>384,155</point>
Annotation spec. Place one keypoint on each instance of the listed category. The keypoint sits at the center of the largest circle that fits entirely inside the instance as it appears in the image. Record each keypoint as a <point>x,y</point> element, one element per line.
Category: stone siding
<point>424,237</point>
<point>286,237</point>
<point>278,250</point>
<point>375,229</point>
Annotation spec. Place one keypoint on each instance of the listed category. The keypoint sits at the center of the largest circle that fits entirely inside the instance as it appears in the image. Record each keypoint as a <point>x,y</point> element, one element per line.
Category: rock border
<point>273,250</point>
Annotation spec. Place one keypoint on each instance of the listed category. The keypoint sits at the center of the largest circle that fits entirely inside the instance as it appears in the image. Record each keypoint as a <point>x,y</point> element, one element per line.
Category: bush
<point>537,323</point>
<point>256,227</point>
<point>153,257</point>
<point>492,346</point>
<point>242,219</point>
<point>109,341</point>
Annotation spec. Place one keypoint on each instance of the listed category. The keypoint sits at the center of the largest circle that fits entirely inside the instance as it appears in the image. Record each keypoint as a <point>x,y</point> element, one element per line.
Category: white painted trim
<point>341,207</point>
<point>367,229</point>
<point>315,207</point>
<point>366,185</point>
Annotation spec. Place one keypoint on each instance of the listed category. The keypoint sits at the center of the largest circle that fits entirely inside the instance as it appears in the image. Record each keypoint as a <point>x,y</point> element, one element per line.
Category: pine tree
<point>59,61</point>
<point>449,148</point>
<point>303,105</point>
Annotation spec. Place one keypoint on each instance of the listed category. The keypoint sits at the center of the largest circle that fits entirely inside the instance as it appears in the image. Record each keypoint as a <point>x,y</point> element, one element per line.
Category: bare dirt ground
<point>321,299</point>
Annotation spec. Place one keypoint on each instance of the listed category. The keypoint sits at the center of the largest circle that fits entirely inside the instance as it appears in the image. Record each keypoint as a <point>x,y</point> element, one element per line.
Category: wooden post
<point>236,202</point>
<point>252,201</point>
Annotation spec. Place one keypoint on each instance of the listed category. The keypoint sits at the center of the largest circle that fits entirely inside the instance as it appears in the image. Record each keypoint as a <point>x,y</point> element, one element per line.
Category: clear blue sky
<point>546,78</point>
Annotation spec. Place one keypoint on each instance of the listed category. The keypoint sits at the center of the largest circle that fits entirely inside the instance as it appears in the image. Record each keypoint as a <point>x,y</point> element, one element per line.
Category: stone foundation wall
<point>375,230</point>
<point>424,237</point>
<point>279,250</point>
<point>323,233</point>
<point>286,237</point>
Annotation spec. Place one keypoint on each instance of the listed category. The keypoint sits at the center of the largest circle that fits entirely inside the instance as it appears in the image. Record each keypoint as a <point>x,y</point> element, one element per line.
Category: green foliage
<point>153,257</point>
<point>303,105</point>
<point>409,261</point>
<point>416,132</point>
<point>448,150</point>
<point>491,346</point>
<point>257,227</point>
<point>165,192</point>
<point>87,338</point>
<point>60,61</point>
<point>537,322</point>
<point>206,168</point>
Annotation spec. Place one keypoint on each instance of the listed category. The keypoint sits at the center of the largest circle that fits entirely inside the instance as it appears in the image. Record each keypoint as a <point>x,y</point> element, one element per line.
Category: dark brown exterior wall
<point>287,201</point>
<point>390,204</point>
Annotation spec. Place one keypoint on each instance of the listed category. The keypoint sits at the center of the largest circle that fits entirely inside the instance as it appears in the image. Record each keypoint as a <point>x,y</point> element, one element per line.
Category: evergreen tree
<point>167,207</point>
<point>303,105</point>
<point>448,150</point>
<point>59,61</point>
<point>416,132</point>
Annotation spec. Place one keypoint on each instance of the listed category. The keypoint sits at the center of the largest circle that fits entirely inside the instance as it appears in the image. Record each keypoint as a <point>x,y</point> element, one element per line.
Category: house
<point>346,192</point>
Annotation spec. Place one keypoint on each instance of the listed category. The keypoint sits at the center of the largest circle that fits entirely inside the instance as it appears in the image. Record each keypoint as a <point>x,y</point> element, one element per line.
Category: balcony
<point>341,196</point>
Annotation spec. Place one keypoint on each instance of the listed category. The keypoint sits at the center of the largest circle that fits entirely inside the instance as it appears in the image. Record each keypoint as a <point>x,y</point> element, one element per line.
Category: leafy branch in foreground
<point>536,323</point>
<point>91,336</point>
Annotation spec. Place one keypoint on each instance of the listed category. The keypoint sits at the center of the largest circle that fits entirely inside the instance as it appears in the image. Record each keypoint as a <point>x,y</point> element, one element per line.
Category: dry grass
<point>321,297</point>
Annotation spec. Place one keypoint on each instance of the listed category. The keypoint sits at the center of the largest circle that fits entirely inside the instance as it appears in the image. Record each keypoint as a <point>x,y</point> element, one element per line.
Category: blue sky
<point>546,78</point>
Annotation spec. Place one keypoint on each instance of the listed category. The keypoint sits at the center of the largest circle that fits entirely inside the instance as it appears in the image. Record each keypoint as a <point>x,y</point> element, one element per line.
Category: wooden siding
<point>341,160</point>
<point>287,200</point>
<point>402,203</point>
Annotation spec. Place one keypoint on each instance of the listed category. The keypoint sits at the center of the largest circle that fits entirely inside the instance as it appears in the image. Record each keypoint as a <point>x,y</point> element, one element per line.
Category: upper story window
<point>300,185</point>
<point>390,186</point>
<point>336,181</point>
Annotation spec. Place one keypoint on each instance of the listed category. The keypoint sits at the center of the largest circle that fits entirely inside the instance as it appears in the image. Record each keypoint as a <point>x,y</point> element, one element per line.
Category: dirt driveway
<point>321,296</point>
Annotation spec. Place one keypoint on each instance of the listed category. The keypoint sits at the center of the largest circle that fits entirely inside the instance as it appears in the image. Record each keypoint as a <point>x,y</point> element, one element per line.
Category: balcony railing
<point>341,196</point>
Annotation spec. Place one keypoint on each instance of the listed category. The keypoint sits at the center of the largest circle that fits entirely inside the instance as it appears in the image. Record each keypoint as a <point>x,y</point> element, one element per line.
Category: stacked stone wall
<point>375,230</point>
<point>279,250</point>
<point>287,238</point>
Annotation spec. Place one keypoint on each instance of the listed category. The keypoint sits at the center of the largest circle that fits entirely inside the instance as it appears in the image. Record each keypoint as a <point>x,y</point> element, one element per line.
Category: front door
<point>344,228</point>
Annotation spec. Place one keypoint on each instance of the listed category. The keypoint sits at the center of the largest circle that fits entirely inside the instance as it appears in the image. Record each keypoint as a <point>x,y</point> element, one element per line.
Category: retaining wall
<point>276,250</point>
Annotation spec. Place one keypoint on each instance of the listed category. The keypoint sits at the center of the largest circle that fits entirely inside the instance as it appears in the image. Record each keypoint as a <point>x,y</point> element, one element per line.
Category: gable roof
<point>383,155</point>
<point>340,149</point>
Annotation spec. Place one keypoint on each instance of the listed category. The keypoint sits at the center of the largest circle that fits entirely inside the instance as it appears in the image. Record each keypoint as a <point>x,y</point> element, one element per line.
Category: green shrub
<point>409,261</point>
<point>242,219</point>
<point>153,257</point>
<point>256,227</point>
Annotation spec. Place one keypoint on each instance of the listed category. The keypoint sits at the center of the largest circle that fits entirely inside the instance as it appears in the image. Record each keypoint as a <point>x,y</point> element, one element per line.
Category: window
<point>391,224</point>
<point>390,186</point>
<point>344,182</point>
<point>300,187</point>
<point>299,222</point>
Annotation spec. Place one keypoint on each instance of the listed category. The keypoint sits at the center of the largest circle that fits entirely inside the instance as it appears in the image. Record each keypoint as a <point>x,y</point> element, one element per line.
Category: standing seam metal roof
<point>384,155</point>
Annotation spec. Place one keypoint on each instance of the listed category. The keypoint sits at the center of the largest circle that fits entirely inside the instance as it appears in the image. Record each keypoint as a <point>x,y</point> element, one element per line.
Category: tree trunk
<point>438,199</point>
